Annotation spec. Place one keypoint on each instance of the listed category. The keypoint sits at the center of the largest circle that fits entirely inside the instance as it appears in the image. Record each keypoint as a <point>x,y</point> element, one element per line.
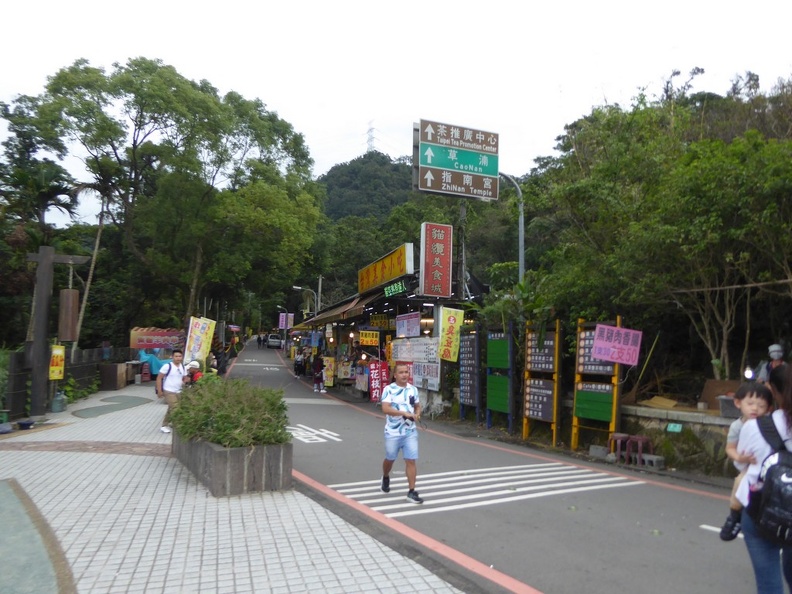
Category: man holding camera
<point>402,407</point>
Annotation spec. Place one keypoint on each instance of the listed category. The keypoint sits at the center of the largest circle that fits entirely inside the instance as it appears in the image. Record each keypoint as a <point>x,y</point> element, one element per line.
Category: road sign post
<point>457,160</point>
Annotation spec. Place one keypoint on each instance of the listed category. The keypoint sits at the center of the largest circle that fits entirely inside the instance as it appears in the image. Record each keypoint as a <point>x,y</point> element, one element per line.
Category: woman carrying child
<point>768,566</point>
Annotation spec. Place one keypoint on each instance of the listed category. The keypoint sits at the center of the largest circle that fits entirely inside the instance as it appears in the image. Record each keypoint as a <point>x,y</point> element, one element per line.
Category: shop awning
<point>331,315</point>
<point>350,309</point>
<point>358,307</point>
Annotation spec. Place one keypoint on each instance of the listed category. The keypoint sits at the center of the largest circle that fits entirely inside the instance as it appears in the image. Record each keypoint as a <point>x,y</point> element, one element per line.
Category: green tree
<point>163,148</point>
<point>370,185</point>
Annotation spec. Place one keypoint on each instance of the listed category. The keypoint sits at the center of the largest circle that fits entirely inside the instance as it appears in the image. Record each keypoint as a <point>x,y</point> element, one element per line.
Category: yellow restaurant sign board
<point>379,320</point>
<point>57,362</point>
<point>369,337</point>
<point>397,263</point>
<point>450,325</point>
<point>199,340</point>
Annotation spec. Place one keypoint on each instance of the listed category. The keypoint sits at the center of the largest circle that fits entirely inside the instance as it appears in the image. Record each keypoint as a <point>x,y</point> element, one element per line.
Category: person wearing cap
<point>193,373</point>
<point>776,353</point>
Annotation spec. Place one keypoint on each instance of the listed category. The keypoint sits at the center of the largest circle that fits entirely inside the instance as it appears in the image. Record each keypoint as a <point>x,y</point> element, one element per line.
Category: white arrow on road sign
<point>429,132</point>
<point>429,179</point>
<point>429,154</point>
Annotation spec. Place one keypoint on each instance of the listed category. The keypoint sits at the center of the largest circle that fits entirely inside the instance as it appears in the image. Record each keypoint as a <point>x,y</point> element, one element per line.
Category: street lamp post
<point>520,226</point>
<point>315,296</point>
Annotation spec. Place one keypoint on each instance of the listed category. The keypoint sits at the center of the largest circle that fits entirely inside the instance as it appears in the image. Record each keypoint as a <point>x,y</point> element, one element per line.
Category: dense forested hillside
<point>370,185</point>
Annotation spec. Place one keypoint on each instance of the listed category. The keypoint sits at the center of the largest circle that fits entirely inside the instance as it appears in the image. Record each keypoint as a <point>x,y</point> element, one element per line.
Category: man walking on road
<point>402,407</point>
<point>170,381</point>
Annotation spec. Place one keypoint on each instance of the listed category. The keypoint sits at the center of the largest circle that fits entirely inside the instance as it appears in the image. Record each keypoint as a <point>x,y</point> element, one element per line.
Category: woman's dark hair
<point>785,402</point>
<point>777,378</point>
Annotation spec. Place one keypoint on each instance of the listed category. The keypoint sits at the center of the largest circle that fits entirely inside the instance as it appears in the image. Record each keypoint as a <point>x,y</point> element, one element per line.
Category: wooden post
<point>40,356</point>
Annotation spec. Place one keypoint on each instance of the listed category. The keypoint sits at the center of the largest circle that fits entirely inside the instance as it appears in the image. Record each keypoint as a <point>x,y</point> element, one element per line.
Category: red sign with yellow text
<point>436,252</point>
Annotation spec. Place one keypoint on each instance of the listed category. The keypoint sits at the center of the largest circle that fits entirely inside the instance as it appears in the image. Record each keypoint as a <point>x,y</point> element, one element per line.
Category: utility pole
<point>520,227</point>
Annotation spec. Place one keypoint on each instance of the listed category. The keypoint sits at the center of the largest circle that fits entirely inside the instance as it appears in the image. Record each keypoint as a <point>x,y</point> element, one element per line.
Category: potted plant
<point>233,436</point>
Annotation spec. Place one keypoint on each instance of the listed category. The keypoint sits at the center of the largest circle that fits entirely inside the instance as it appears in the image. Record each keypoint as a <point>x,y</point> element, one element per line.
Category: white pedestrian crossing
<point>462,489</point>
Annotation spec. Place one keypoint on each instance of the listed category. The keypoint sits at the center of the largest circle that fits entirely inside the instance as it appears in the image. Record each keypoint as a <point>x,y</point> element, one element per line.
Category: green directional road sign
<point>456,160</point>
<point>447,157</point>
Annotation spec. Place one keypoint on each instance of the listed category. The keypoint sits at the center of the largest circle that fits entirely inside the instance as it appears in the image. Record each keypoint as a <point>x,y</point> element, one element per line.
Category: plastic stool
<point>640,441</point>
<point>619,439</point>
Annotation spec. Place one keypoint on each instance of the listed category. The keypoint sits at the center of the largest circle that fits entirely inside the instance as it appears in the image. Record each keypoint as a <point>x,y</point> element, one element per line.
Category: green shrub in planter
<point>231,413</point>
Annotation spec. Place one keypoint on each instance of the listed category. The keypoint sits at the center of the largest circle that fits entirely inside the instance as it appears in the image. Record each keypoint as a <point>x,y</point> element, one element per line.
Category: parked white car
<point>274,341</point>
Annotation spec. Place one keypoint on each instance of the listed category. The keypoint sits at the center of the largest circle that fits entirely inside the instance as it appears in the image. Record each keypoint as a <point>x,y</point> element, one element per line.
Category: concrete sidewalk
<point>92,502</point>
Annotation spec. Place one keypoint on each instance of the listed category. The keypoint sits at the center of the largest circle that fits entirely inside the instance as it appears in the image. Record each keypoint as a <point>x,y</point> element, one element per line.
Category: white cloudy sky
<point>335,69</point>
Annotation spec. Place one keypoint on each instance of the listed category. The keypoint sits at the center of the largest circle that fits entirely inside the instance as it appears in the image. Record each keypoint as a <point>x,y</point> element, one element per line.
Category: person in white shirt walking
<point>170,381</point>
<point>402,405</point>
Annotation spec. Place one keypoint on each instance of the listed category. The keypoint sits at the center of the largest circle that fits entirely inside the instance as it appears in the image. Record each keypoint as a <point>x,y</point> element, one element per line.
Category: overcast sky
<point>335,70</point>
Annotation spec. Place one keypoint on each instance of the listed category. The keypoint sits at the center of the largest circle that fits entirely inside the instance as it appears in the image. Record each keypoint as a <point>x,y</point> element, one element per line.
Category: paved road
<point>543,519</point>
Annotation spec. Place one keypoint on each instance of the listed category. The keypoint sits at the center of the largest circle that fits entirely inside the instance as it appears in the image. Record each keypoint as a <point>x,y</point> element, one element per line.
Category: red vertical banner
<point>378,379</point>
<point>436,259</point>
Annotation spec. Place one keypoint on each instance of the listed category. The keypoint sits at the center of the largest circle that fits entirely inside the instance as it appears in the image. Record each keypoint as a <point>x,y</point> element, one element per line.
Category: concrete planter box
<point>234,471</point>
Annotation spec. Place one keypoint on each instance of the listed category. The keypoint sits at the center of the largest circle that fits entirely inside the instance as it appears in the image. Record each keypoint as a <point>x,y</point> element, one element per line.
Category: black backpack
<point>773,510</point>
<point>170,366</point>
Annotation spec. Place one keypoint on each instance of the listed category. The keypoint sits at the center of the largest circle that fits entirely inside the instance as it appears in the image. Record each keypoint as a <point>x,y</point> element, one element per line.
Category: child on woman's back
<point>751,403</point>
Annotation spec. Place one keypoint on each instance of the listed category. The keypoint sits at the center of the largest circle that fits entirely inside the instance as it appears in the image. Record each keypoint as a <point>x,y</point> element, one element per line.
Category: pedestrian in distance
<point>776,354</point>
<point>194,373</point>
<point>260,340</point>
<point>299,364</point>
<point>751,404</point>
<point>402,407</point>
<point>768,565</point>
<point>318,373</point>
<point>169,384</point>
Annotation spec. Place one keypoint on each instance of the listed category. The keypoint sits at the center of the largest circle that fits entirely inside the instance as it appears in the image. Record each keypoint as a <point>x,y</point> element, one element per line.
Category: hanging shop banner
<point>618,345</point>
<point>284,319</point>
<point>344,370</point>
<point>369,338</point>
<point>397,263</point>
<point>426,376</point>
<point>362,379</point>
<point>57,362</point>
<point>415,349</point>
<point>329,372</point>
<point>379,320</point>
<point>199,339</point>
<point>155,338</point>
<point>378,379</point>
<point>408,325</point>
<point>436,252</point>
<point>450,325</point>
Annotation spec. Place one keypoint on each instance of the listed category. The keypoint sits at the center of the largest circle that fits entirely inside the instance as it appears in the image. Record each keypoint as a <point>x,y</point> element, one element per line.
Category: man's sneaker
<point>165,429</point>
<point>731,528</point>
<point>385,484</point>
<point>323,391</point>
<point>413,497</point>
<point>315,390</point>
